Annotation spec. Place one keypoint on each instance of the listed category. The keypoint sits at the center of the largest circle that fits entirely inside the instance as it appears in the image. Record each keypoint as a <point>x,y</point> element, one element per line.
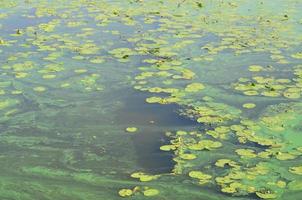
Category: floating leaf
<point>205,144</point>
<point>194,87</point>
<point>188,156</point>
<point>168,147</point>
<point>131,129</point>
<point>266,195</point>
<point>151,192</point>
<point>249,105</point>
<point>255,68</point>
<point>125,192</point>
<point>296,170</point>
<point>40,89</point>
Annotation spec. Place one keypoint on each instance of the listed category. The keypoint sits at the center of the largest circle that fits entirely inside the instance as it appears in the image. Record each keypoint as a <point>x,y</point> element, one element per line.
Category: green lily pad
<point>150,192</point>
<point>168,147</point>
<point>144,177</point>
<point>199,175</point>
<point>246,153</point>
<point>40,89</point>
<point>125,192</point>
<point>266,195</point>
<point>255,68</point>
<point>205,145</point>
<point>153,100</point>
<point>296,170</point>
<point>194,87</point>
<point>188,156</point>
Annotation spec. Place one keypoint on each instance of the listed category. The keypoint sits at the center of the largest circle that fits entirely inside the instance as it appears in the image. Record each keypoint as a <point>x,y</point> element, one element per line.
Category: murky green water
<point>141,99</point>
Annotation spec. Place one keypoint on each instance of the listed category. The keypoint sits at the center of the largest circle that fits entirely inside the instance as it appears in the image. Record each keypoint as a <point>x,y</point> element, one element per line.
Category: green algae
<point>62,67</point>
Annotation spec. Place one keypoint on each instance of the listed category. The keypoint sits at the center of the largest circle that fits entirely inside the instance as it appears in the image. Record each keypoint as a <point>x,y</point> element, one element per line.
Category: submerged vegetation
<point>69,68</point>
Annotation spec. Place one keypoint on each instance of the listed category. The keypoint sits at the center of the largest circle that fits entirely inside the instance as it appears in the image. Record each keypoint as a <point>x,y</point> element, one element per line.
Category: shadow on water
<point>154,119</point>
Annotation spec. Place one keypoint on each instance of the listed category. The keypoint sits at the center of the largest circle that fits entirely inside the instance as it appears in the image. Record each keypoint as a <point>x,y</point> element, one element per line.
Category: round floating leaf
<point>285,156</point>
<point>80,71</point>
<point>229,190</point>
<point>255,68</point>
<point>188,156</point>
<point>40,89</point>
<point>125,192</point>
<point>194,87</point>
<point>199,175</point>
<point>131,129</point>
<point>153,100</point>
<point>246,153</point>
<point>266,195</point>
<point>224,162</point>
<point>168,147</point>
<point>249,105</point>
<point>205,144</point>
<point>151,192</point>
<point>144,177</point>
<point>296,170</point>
<point>181,133</point>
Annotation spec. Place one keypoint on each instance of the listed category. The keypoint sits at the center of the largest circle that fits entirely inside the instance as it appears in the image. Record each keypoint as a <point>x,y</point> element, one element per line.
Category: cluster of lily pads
<point>188,54</point>
<point>259,142</point>
<point>146,191</point>
<point>271,86</point>
<point>265,170</point>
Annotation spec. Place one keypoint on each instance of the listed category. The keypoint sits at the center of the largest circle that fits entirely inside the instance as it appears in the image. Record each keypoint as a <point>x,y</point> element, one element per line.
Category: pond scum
<point>233,67</point>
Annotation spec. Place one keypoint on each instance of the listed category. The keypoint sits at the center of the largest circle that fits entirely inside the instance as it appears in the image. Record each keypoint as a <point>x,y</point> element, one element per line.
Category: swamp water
<point>150,99</point>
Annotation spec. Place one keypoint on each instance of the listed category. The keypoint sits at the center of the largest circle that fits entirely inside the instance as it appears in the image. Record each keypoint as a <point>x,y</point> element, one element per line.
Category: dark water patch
<point>152,120</point>
<point>137,111</point>
<point>150,157</point>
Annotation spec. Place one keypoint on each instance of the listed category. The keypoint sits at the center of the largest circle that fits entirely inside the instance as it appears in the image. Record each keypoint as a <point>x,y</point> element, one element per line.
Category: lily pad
<point>131,129</point>
<point>125,192</point>
<point>194,87</point>
<point>296,170</point>
<point>151,192</point>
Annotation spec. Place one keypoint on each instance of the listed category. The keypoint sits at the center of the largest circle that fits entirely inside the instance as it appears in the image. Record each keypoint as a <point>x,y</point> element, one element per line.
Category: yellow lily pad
<point>167,147</point>
<point>153,99</point>
<point>246,153</point>
<point>255,68</point>
<point>194,87</point>
<point>131,129</point>
<point>150,192</point>
<point>266,195</point>
<point>199,175</point>
<point>188,156</point>
<point>125,192</point>
<point>296,170</point>
<point>205,144</point>
<point>144,177</point>
<point>249,105</point>
<point>40,89</point>
<point>285,156</point>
